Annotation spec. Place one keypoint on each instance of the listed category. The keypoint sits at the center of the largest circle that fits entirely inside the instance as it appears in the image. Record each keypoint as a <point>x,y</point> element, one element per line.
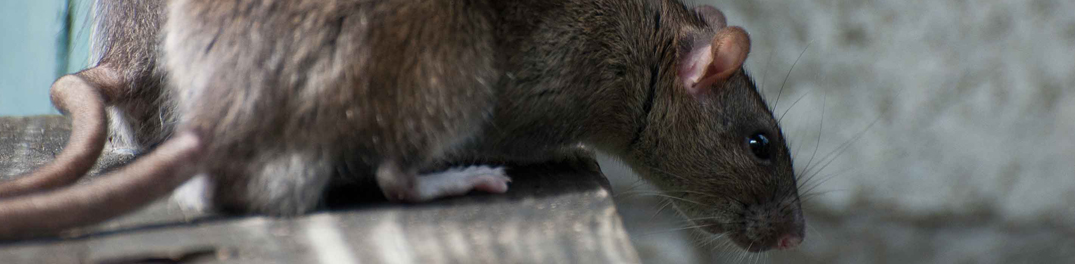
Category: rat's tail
<point>117,193</point>
<point>78,96</point>
<point>38,203</point>
<point>125,36</point>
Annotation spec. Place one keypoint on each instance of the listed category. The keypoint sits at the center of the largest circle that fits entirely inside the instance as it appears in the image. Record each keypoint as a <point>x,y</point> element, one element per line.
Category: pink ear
<point>716,61</point>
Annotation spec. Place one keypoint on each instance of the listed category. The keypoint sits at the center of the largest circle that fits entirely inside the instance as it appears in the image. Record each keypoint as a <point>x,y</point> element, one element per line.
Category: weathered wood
<point>554,213</point>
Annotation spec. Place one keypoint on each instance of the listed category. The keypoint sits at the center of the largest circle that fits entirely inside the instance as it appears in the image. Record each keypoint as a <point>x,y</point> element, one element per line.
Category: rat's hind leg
<point>460,180</point>
<point>193,195</point>
<point>275,183</point>
<point>400,185</point>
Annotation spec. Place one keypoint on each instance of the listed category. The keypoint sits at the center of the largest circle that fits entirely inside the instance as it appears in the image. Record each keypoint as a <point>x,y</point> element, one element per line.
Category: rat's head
<point>714,147</point>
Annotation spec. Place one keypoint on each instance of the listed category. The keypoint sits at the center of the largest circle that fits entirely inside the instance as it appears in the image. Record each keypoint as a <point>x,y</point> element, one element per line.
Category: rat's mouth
<point>763,227</point>
<point>756,229</point>
<point>735,235</point>
<point>781,242</point>
<point>748,245</point>
<point>752,243</point>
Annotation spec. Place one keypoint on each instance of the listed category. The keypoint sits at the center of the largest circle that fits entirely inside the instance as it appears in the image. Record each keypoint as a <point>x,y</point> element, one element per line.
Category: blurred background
<point>971,158</point>
<point>41,41</point>
<point>927,131</point>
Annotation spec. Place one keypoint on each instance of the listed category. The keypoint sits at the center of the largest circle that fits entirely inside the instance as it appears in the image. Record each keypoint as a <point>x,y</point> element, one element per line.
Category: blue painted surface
<point>36,47</point>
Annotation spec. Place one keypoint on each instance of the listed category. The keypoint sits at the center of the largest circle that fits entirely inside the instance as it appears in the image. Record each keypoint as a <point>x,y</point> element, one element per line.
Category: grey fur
<point>285,92</point>
<point>125,40</point>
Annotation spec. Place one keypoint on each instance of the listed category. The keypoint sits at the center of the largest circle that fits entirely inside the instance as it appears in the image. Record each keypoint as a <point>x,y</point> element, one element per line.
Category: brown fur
<point>604,73</point>
<point>286,92</point>
<point>126,37</point>
<point>324,80</point>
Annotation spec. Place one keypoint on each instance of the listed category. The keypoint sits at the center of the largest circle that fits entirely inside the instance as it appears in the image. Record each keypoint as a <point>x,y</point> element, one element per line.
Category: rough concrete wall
<point>972,158</point>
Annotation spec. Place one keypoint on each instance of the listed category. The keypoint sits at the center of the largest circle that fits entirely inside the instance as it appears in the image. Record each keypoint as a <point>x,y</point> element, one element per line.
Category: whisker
<point>714,218</point>
<point>669,173</point>
<point>797,148</point>
<point>630,188</point>
<point>646,192</point>
<point>824,179</point>
<point>820,129</point>
<point>810,181</point>
<point>817,184</point>
<point>657,194</point>
<point>743,254</point>
<point>678,199</point>
<point>815,232</point>
<point>847,144</point>
<point>776,105</point>
<point>724,244</point>
<point>781,119</point>
<point>808,195</point>
<point>677,229</point>
<point>786,205</point>
<point>765,73</point>
<point>665,203</point>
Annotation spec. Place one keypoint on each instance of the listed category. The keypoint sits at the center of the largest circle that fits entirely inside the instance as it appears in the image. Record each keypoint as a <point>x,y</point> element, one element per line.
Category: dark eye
<point>759,145</point>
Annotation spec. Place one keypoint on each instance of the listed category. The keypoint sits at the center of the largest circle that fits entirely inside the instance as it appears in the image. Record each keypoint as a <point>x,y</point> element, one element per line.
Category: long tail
<point>80,97</point>
<point>136,185</point>
<point>125,40</point>
<point>126,34</point>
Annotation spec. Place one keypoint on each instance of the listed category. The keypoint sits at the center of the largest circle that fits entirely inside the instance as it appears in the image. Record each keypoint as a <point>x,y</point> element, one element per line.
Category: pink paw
<point>459,181</point>
<point>491,183</point>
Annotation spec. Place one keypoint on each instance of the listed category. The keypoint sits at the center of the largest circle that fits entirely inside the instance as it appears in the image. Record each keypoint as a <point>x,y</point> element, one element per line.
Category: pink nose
<point>788,242</point>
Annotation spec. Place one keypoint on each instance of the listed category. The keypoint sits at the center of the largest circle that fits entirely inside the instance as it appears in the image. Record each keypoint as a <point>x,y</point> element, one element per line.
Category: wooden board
<point>554,213</point>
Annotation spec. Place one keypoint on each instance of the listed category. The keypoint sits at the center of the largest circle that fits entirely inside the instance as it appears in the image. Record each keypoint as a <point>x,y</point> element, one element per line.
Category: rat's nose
<point>788,242</point>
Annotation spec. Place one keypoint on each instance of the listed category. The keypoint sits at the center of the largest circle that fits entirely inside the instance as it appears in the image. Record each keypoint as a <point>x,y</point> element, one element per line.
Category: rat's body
<point>279,94</point>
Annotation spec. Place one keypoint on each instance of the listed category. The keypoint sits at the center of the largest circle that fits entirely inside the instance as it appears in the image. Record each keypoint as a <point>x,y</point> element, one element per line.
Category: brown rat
<point>659,86</point>
<point>273,96</point>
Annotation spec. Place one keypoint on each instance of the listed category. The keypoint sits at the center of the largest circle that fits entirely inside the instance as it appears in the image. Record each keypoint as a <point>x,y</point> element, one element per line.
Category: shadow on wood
<point>554,213</point>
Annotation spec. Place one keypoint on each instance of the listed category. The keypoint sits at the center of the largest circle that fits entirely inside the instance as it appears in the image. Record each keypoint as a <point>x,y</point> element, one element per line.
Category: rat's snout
<point>794,234</point>
<point>789,242</point>
<point>773,226</point>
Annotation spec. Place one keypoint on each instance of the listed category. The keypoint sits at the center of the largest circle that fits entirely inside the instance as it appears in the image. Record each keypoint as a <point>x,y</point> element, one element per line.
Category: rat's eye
<point>759,145</point>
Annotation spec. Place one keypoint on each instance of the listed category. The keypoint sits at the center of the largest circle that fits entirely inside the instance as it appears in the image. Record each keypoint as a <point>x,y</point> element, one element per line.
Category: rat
<point>261,101</point>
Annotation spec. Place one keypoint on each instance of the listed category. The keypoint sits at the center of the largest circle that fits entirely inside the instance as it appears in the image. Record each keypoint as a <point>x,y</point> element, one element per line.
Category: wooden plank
<point>554,213</point>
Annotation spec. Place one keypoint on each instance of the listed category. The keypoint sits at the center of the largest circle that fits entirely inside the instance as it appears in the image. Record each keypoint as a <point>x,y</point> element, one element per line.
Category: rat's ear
<point>713,62</point>
<point>712,16</point>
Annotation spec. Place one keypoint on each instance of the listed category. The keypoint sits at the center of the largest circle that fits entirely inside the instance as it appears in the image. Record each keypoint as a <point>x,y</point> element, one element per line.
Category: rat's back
<point>287,88</point>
